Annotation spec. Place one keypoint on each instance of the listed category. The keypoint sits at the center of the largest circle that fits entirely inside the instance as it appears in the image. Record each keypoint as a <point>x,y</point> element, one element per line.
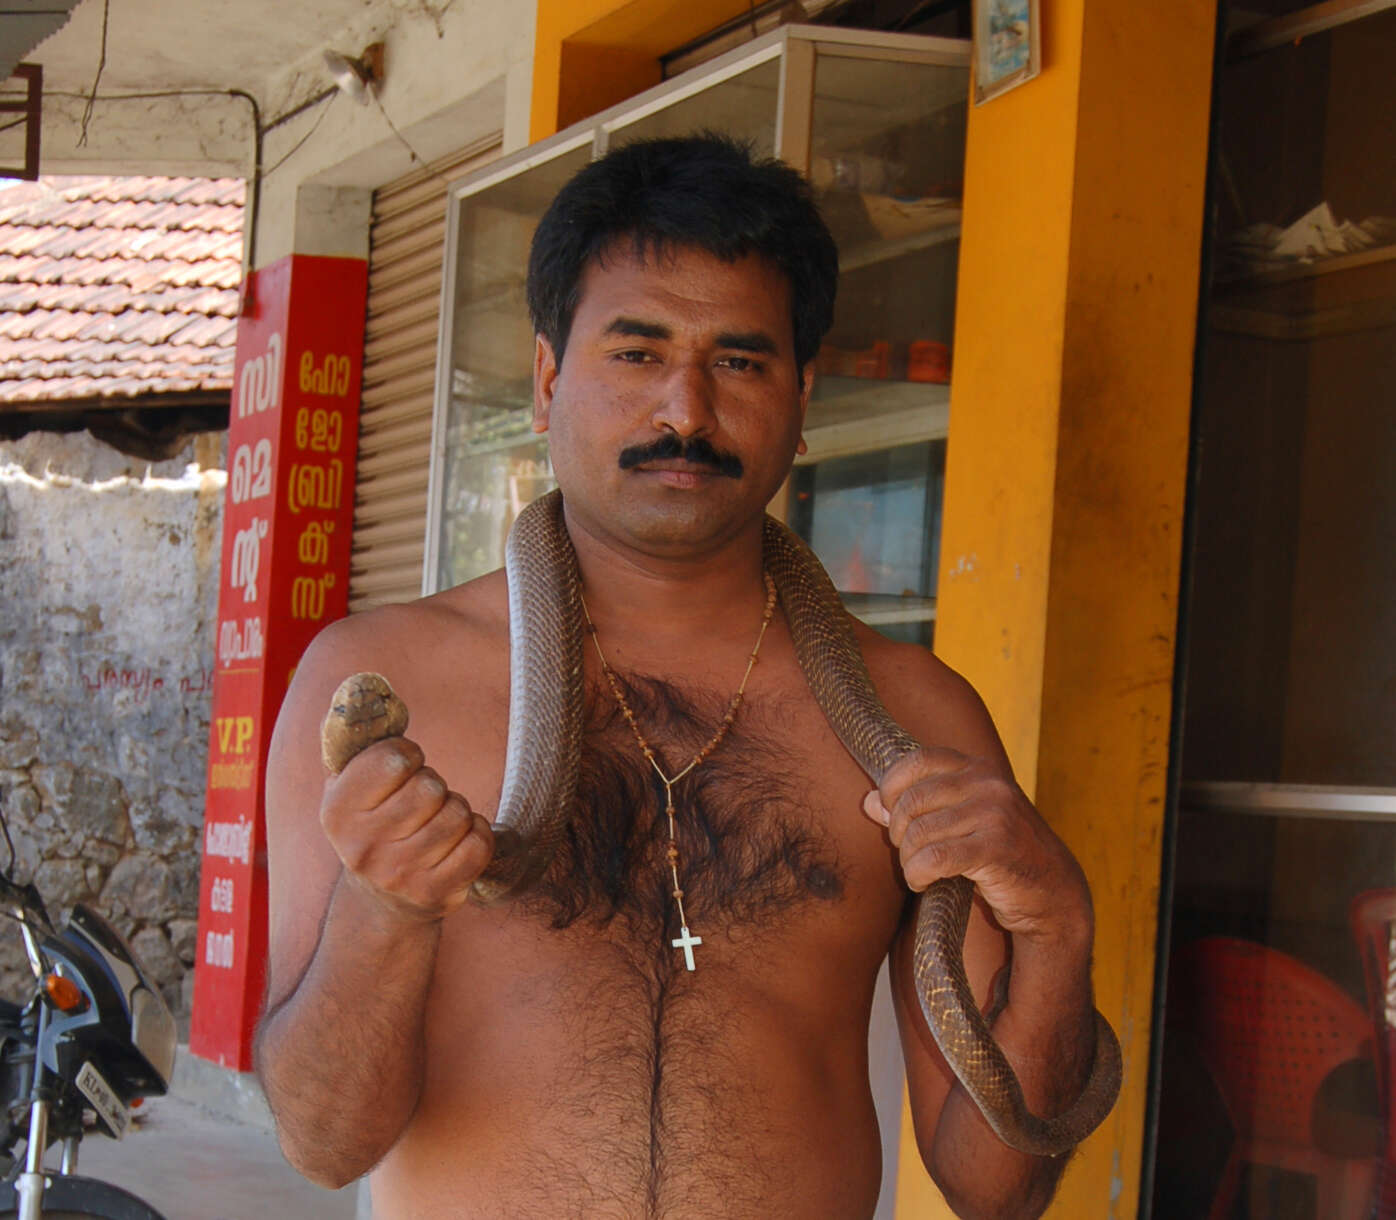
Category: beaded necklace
<point>685,941</point>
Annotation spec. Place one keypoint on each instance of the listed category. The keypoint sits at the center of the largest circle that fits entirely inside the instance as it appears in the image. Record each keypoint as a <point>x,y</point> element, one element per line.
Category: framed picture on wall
<point>1007,45</point>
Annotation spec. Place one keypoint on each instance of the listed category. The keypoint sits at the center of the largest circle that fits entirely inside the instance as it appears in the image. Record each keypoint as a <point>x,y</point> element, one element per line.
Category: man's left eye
<point>740,364</point>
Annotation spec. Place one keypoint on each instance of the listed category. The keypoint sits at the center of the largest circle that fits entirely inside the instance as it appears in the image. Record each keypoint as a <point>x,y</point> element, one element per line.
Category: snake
<point>543,756</point>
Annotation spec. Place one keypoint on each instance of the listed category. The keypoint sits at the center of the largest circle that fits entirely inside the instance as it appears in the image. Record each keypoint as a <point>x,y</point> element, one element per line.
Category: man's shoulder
<point>426,649</point>
<point>928,698</point>
<point>474,612</point>
<point>457,628</point>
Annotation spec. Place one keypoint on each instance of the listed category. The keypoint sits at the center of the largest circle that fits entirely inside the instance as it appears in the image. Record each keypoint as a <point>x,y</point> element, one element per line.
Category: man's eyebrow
<point>638,329</point>
<point>755,341</point>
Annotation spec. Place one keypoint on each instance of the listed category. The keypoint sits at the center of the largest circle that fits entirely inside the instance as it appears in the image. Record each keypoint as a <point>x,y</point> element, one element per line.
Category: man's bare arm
<point>955,810</point>
<point>341,1057</point>
<point>363,868</point>
<point>1050,1045</point>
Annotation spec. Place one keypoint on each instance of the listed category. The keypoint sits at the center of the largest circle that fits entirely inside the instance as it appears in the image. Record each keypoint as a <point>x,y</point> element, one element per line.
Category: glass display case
<point>877,122</point>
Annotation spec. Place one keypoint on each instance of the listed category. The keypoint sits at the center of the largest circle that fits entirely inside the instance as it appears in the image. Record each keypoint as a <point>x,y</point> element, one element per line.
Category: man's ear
<point>544,382</point>
<point>806,387</point>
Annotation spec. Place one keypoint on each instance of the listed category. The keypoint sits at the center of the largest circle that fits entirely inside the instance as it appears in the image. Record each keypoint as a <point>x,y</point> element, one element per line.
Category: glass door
<point>873,518</point>
<point>1275,1096</point>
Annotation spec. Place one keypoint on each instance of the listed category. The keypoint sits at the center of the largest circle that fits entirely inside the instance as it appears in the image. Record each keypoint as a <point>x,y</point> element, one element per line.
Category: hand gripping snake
<point>544,750</point>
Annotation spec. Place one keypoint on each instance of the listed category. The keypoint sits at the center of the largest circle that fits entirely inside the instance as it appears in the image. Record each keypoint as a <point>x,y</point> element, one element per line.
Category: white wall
<point>110,572</point>
<point>449,80</point>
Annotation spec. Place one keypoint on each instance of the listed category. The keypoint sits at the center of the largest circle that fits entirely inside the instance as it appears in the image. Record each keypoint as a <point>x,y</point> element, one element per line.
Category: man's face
<point>676,411</point>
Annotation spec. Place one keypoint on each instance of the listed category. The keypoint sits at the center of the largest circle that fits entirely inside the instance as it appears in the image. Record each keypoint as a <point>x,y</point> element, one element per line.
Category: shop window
<point>874,520</point>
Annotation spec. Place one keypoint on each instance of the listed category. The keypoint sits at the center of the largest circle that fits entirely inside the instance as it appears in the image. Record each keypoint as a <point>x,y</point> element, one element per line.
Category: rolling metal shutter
<point>400,340</point>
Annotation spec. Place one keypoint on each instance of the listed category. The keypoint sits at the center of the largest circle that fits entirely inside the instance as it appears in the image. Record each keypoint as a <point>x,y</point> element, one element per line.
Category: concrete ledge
<point>231,1094</point>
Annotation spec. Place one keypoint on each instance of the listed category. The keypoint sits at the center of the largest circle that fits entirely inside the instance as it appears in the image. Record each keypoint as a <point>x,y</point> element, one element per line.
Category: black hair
<point>707,191</point>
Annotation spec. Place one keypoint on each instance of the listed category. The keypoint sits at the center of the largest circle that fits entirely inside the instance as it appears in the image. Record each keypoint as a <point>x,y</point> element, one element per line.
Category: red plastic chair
<point>1270,1030</point>
<point>1373,918</point>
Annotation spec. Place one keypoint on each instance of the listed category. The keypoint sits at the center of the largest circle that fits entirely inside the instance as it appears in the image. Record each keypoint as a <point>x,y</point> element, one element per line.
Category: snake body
<point>543,753</point>
<point>546,700</point>
<point>838,678</point>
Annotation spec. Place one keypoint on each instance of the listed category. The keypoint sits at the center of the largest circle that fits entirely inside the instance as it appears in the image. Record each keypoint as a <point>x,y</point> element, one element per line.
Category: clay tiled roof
<point>117,287</point>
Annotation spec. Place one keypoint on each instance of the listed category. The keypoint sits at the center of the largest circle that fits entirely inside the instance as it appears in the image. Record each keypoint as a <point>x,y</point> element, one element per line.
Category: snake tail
<point>947,1003</point>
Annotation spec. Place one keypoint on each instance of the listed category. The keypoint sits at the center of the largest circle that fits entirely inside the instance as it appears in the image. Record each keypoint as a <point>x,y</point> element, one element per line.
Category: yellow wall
<point>1078,285</point>
<point>590,54</point>
<point>1064,494</point>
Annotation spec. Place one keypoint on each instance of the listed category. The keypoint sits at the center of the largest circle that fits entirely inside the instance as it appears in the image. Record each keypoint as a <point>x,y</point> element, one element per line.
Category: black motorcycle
<point>92,1037</point>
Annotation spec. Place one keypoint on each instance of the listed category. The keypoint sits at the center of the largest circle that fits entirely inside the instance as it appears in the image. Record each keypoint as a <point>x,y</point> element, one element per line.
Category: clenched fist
<point>400,832</point>
<point>951,815</point>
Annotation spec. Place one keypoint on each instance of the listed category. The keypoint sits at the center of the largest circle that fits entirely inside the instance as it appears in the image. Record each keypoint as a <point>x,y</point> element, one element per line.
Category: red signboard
<point>287,522</point>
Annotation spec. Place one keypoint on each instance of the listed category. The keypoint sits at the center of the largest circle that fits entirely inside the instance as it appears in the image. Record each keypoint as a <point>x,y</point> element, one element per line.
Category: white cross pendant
<point>686,943</point>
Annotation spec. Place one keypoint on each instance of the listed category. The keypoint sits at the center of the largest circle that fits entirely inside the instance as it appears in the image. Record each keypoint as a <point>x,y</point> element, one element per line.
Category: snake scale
<point>543,756</point>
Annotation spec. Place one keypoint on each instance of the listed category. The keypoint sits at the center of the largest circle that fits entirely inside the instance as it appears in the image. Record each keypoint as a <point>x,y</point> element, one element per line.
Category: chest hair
<point>750,847</point>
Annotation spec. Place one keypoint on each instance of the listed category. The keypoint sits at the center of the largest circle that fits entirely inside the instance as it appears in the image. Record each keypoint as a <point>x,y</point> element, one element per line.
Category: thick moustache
<point>694,456</point>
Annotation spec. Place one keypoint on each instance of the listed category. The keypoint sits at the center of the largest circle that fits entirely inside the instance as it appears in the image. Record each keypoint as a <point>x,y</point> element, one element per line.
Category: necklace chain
<point>685,941</point>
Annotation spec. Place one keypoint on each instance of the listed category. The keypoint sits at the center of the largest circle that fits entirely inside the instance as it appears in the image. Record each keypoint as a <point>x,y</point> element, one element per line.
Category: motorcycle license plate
<point>110,1108</point>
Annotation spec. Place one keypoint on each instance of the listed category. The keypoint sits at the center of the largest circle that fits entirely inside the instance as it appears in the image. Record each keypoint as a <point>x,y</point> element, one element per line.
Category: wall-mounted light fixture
<point>356,75</point>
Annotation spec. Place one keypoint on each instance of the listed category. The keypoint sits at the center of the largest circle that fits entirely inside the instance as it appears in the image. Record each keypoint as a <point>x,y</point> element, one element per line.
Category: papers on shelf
<point>1316,235</point>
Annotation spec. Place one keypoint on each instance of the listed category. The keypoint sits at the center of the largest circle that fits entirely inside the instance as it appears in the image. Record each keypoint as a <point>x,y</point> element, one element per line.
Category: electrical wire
<point>254,204</point>
<point>96,80</point>
<point>411,152</point>
<point>288,115</point>
<point>296,147</point>
<point>21,903</point>
<point>259,133</point>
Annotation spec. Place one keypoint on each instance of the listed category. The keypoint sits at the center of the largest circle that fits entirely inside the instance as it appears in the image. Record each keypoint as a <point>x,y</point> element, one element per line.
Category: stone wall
<point>109,572</point>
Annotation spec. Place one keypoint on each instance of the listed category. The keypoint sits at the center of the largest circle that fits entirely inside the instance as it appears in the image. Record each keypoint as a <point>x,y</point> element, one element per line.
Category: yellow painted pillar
<point>1078,287</point>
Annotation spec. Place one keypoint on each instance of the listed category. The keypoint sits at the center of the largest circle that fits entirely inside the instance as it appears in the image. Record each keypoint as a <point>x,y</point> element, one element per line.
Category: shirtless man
<point>555,1056</point>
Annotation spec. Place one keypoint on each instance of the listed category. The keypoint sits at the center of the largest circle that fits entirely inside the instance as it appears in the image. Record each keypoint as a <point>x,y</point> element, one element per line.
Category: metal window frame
<point>1323,802</point>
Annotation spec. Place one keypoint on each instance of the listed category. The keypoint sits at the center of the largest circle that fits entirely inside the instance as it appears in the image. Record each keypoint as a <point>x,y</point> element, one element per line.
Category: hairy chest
<point>761,831</point>
<point>648,1088</point>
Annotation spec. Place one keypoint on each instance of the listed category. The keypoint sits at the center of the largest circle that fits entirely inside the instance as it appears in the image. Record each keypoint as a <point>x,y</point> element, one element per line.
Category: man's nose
<point>686,406</point>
